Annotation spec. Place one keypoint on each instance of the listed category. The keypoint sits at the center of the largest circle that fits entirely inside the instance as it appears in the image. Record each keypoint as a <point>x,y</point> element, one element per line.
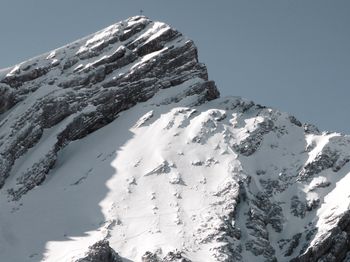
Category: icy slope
<point>156,169</point>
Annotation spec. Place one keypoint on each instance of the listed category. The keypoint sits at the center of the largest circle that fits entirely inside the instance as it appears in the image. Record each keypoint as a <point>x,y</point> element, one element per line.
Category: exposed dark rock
<point>101,252</point>
<point>311,129</point>
<point>293,243</point>
<point>323,161</point>
<point>298,208</point>
<point>271,186</point>
<point>7,98</point>
<point>327,159</point>
<point>295,121</point>
<point>347,258</point>
<point>340,163</point>
<point>150,257</point>
<point>250,144</point>
<point>18,79</point>
<point>176,256</point>
<point>333,247</point>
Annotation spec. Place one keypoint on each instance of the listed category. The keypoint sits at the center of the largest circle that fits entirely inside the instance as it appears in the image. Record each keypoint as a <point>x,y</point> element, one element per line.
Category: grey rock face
<point>323,161</point>
<point>298,208</point>
<point>150,257</point>
<point>295,121</point>
<point>85,85</point>
<point>261,213</point>
<point>334,247</point>
<point>101,252</point>
<point>249,145</point>
<point>293,243</point>
<point>176,256</point>
<point>7,98</point>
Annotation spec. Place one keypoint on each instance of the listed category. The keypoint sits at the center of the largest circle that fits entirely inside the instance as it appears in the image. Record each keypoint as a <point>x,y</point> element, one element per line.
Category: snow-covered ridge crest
<point>115,148</point>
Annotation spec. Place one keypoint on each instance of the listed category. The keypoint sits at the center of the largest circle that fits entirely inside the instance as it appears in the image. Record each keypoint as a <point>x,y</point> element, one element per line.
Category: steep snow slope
<point>160,172</point>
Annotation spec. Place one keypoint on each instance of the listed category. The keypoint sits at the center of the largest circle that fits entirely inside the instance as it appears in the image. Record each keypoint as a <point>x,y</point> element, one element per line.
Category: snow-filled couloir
<point>117,147</point>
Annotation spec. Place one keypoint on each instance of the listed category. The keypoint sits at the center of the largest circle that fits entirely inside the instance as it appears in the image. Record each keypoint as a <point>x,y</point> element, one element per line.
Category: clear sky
<point>292,55</point>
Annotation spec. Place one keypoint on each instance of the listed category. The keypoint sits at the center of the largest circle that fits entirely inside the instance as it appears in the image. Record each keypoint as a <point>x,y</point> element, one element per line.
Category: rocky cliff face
<point>119,141</point>
<point>85,85</point>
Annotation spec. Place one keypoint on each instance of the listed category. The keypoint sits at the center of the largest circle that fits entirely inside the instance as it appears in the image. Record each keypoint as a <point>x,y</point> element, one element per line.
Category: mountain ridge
<point>119,141</point>
<point>95,77</point>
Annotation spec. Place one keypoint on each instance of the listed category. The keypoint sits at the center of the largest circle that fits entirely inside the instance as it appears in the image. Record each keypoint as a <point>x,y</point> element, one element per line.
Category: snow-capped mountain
<point>117,147</point>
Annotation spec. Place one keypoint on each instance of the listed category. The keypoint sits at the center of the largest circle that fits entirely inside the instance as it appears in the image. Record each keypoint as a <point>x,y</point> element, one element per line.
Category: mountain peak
<point>86,84</point>
<point>117,147</point>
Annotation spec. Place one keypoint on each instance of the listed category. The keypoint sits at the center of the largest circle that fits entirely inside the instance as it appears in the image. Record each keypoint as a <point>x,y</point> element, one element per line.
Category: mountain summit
<point>117,147</point>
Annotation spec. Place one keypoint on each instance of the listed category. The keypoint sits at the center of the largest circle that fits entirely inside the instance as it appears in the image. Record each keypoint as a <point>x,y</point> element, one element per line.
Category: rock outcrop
<point>101,252</point>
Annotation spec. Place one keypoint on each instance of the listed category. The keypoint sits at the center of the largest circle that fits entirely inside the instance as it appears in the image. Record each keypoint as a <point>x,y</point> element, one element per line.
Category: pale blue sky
<point>293,55</point>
